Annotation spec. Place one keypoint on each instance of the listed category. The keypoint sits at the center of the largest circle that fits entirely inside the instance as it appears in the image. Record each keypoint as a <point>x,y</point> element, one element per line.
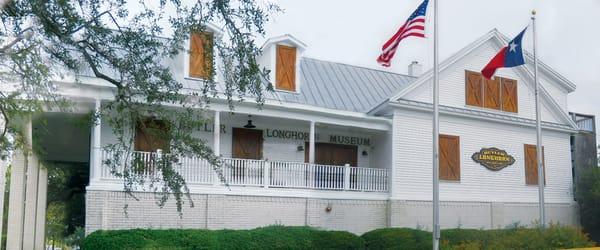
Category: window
<point>499,93</point>
<point>151,135</point>
<point>285,69</point>
<point>200,61</point>
<point>449,157</point>
<point>531,170</point>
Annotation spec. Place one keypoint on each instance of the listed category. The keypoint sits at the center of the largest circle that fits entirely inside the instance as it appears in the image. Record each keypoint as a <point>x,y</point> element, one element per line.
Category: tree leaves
<point>131,45</point>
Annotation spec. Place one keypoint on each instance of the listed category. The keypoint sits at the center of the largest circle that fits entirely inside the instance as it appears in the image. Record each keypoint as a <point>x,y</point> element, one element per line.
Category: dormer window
<point>285,68</point>
<point>282,56</point>
<point>201,55</point>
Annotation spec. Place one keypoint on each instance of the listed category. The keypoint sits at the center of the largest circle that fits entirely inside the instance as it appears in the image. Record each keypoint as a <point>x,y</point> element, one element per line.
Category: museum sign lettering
<point>301,135</point>
<point>493,159</point>
<point>287,134</point>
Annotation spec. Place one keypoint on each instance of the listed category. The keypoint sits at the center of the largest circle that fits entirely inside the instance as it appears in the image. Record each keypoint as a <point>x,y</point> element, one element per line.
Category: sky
<point>352,32</point>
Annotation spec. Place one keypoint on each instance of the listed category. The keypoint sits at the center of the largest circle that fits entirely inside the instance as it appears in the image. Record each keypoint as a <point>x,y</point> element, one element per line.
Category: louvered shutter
<point>491,93</point>
<point>509,95</point>
<point>200,64</point>
<point>474,86</point>
<point>285,70</point>
<point>531,171</point>
<point>449,158</point>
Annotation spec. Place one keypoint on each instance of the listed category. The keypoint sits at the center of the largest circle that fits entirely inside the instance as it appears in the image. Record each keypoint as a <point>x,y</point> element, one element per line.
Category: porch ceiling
<point>63,137</point>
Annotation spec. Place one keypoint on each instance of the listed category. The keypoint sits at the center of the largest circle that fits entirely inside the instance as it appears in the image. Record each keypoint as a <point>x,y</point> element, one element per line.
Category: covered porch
<point>262,149</point>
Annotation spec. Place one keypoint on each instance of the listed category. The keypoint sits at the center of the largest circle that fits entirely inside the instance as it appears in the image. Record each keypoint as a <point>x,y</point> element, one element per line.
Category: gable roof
<point>284,38</point>
<point>499,39</point>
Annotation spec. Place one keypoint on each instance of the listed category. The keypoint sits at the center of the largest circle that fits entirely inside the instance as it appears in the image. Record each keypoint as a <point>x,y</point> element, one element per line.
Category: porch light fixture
<point>365,153</point>
<point>249,124</point>
<point>300,148</point>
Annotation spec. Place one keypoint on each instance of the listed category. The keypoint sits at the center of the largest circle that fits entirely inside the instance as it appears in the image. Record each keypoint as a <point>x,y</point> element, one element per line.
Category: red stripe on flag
<point>402,30</point>
<point>496,62</point>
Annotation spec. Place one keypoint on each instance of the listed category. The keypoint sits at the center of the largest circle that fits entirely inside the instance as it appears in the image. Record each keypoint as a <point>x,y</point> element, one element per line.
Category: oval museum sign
<point>493,159</point>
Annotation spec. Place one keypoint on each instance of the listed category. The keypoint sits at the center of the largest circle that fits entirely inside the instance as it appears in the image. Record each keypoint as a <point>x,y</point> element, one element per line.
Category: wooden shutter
<point>531,171</point>
<point>286,68</point>
<point>491,93</point>
<point>200,55</point>
<point>449,158</point>
<point>151,134</point>
<point>509,95</point>
<point>474,88</point>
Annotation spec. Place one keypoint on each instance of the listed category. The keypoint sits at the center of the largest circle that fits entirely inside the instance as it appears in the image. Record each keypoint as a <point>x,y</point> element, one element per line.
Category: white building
<point>371,135</point>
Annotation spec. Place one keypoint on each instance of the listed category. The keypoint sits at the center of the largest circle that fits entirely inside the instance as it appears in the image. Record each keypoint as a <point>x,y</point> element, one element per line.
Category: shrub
<point>588,197</point>
<point>554,237</point>
<point>272,237</point>
<point>398,238</point>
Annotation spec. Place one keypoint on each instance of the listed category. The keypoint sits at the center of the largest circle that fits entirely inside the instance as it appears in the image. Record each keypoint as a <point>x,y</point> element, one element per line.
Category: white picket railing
<point>272,174</point>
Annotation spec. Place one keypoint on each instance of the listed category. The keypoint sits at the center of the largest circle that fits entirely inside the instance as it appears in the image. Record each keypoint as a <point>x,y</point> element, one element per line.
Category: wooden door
<point>247,143</point>
<point>333,154</point>
<point>151,135</point>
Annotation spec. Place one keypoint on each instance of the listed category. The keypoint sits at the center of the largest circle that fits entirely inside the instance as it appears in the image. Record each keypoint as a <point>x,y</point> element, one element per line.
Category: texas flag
<point>509,56</point>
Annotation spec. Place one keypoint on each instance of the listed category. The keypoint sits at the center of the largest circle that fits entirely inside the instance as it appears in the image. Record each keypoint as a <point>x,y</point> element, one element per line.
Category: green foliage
<point>76,238</point>
<point>272,237</point>
<point>56,224</point>
<point>554,237</point>
<point>398,238</point>
<point>588,197</point>
<point>130,46</point>
<point>66,201</point>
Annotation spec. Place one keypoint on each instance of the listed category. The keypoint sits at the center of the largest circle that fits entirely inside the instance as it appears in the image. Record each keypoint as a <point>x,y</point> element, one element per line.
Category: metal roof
<point>341,86</point>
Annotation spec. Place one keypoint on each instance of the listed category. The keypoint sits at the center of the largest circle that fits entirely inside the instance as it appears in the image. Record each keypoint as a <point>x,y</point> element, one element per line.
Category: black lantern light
<point>249,124</point>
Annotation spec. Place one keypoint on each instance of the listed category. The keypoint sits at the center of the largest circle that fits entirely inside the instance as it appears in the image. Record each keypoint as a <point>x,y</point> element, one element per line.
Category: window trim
<point>271,61</point>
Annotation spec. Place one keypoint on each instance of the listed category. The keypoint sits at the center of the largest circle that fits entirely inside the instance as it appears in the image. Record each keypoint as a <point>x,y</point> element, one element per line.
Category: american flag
<point>414,26</point>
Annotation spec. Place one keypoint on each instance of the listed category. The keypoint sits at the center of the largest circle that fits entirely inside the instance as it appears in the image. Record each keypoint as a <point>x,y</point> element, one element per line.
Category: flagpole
<point>436,132</point>
<point>539,149</point>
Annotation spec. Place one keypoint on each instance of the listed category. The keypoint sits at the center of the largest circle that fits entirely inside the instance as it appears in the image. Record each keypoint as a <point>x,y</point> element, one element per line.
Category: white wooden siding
<point>452,86</point>
<point>558,93</point>
<point>412,164</point>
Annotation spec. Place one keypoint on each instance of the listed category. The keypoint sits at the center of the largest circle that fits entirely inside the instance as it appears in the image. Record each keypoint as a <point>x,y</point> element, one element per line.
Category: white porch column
<point>96,148</point>
<point>16,201</point>
<point>3,166</point>
<point>217,134</point>
<point>311,143</point>
<point>27,205</point>
<point>217,143</point>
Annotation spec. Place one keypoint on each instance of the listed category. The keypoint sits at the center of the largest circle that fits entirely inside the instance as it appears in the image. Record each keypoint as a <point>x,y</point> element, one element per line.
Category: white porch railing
<point>268,174</point>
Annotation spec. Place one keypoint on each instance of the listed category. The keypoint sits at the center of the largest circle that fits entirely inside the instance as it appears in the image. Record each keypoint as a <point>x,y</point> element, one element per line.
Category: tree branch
<point>6,119</point>
<point>97,73</point>
<point>17,39</point>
